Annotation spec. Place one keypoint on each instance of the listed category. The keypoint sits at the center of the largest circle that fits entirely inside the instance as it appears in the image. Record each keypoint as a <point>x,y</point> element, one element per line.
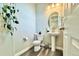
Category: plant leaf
<point>17,10</point>
<point>8,15</point>
<point>16,22</point>
<point>13,11</point>
<point>4,25</point>
<point>9,7</point>
<point>11,33</point>
<point>9,26</point>
<point>5,19</point>
<point>13,7</point>
<point>4,10</point>
<point>14,17</point>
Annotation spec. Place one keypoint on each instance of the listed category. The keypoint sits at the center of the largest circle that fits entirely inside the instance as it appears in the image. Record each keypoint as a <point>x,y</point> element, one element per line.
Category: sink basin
<point>53,33</point>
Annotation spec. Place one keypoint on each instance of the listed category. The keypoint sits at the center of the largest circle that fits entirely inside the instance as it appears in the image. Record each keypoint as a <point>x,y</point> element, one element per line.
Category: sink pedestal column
<point>53,43</point>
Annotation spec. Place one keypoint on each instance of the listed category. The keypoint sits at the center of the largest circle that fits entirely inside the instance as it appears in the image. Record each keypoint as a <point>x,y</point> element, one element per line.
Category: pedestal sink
<point>53,35</point>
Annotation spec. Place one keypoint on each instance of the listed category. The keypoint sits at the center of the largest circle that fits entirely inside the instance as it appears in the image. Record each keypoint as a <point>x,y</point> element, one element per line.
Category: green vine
<point>9,17</point>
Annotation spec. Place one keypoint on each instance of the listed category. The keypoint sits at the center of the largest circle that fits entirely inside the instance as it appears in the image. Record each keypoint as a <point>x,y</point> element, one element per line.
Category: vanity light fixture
<point>52,5</point>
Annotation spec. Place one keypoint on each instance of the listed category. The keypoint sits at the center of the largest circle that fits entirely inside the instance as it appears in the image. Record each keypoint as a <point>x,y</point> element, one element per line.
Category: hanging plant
<point>9,17</point>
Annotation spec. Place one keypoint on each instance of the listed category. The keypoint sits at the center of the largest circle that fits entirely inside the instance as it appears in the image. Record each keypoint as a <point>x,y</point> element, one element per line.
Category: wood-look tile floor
<point>44,52</point>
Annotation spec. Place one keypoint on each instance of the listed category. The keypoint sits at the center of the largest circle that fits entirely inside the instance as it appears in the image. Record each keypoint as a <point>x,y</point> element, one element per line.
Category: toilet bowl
<point>36,45</point>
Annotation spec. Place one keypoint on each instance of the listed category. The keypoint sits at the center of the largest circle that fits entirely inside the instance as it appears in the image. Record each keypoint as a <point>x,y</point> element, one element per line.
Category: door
<point>71,34</point>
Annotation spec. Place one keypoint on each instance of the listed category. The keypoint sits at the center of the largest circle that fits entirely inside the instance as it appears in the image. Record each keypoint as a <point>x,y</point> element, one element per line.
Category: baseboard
<point>60,48</point>
<point>24,50</point>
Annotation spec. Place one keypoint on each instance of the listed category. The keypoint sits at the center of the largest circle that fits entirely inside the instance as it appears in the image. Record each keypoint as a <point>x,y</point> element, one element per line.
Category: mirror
<point>54,22</point>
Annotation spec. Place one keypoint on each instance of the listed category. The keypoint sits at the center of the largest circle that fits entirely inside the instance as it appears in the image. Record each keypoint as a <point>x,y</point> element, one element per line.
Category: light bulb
<point>52,5</point>
<point>48,7</point>
<point>57,4</point>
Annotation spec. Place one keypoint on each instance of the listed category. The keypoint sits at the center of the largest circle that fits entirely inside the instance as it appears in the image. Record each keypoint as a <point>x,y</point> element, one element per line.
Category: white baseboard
<point>24,50</point>
<point>59,48</point>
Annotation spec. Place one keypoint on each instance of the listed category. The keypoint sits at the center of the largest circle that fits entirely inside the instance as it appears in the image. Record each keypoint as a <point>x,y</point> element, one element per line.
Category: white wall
<point>26,27</point>
<point>6,43</point>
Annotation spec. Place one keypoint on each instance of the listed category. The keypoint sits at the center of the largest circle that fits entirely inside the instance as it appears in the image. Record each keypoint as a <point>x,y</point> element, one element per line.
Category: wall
<point>41,18</point>
<point>42,14</point>
<point>26,27</point>
<point>26,17</point>
<point>6,43</point>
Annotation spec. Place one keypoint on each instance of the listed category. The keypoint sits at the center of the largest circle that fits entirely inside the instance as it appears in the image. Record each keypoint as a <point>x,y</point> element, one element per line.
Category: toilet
<point>37,42</point>
<point>36,45</point>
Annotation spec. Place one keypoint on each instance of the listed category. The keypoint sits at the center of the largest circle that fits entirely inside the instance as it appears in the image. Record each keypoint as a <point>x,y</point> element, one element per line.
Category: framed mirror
<point>54,21</point>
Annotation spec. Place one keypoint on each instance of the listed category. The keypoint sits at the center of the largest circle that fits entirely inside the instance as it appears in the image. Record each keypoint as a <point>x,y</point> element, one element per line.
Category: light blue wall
<point>41,18</point>
<point>26,27</point>
<point>26,17</point>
